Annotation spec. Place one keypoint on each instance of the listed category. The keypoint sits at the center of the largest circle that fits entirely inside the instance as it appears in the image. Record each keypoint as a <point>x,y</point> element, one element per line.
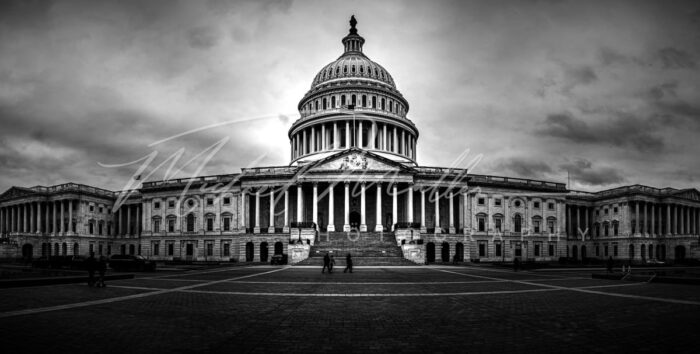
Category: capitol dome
<point>353,102</point>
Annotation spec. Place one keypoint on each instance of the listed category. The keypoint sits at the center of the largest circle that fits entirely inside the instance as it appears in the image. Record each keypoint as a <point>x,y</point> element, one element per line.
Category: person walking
<point>91,265</point>
<point>332,263</point>
<point>326,264</point>
<point>101,269</point>
<point>348,263</point>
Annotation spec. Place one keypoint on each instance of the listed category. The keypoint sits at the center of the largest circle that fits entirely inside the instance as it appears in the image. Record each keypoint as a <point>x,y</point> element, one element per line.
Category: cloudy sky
<point>608,91</point>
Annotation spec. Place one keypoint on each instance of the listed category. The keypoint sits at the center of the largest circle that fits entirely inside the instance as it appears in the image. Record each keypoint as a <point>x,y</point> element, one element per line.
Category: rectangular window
<point>597,213</point>
<point>156,225</point>
<point>92,228</point>
<point>536,224</point>
<point>597,251</point>
<point>92,208</point>
<point>227,224</point>
<point>99,228</point>
<point>210,224</point>
<point>518,249</point>
<point>171,225</point>
<point>210,249</point>
<point>171,249</point>
<point>482,224</point>
<point>227,200</point>
<point>210,201</point>
<point>156,205</point>
<point>99,249</point>
<point>481,201</point>
<point>156,248</point>
<point>537,205</point>
<point>227,250</point>
<point>606,211</point>
<point>482,249</point>
<point>497,201</point>
<point>606,250</point>
<point>614,250</point>
<point>92,248</point>
<point>550,206</point>
<point>537,249</point>
<point>551,250</point>
<point>498,224</point>
<point>171,204</point>
<point>498,249</point>
<point>550,226</point>
<point>616,210</point>
<point>101,210</point>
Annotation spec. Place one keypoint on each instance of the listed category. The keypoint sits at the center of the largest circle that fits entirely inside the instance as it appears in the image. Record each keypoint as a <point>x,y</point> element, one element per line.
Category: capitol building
<point>353,183</point>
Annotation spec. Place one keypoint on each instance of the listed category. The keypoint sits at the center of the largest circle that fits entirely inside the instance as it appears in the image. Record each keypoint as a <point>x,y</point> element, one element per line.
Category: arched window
<point>616,228</point>
<point>353,69</point>
<point>190,222</point>
<point>364,100</point>
<point>383,107</point>
<point>518,222</point>
<point>374,101</point>
<point>353,100</point>
<point>325,103</point>
<point>342,100</point>
<point>391,106</point>
<point>345,69</point>
<point>332,101</point>
<point>317,105</point>
<point>362,69</point>
<point>337,70</point>
<point>376,73</point>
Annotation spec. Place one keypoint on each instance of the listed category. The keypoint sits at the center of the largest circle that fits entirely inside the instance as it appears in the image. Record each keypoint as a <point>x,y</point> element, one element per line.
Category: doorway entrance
<point>355,220</point>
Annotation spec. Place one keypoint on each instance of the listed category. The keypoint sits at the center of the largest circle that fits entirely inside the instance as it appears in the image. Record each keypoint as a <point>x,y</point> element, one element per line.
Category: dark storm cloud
<point>202,37</point>
<point>524,167</point>
<point>620,130</point>
<point>672,58</point>
<point>658,92</point>
<point>583,172</point>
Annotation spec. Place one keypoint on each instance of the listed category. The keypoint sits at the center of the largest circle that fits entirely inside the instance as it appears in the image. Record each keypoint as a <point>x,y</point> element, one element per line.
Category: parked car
<point>655,261</point>
<point>279,259</point>
<point>131,263</point>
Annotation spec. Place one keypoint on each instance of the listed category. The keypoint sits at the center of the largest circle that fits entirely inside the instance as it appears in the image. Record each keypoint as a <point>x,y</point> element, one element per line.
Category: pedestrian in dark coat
<point>91,266</point>
<point>326,263</point>
<point>348,263</point>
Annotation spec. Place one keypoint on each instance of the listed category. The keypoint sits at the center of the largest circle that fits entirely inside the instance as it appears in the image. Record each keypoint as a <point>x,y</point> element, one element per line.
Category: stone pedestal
<point>363,228</point>
<point>331,228</point>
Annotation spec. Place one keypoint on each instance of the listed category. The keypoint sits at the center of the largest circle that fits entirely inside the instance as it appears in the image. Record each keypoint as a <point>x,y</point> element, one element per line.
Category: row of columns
<point>55,217</point>
<point>306,141</point>
<point>346,206</point>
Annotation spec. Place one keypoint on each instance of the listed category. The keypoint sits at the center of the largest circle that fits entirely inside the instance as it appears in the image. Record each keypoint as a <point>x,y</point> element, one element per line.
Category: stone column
<point>138,220</point>
<point>363,209</point>
<point>242,220</point>
<point>312,145</point>
<point>53,220</point>
<point>384,144</point>
<point>410,203</point>
<point>346,224</point>
<point>395,145</point>
<point>372,142</point>
<point>466,213</point>
<point>285,228</point>
<point>653,220</point>
<point>578,221</point>
<point>303,144</point>
<point>347,135</point>
<point>31,217</point>
<point>70,217</point>
<point>636,218</point>
<point>2,221</point>
<point>12,218</point>
<point>569,224</point>
<point>331,217</point>
<point>256,228</point>
<point>25,228</point>
<point>438,229</point>
<point>668,220</point>
<point>359,135</point>
<point>38,218</point>
<point>423,228</point>
<point>63,218</point>
<point>314,209</point>
<point>128,221</point>
<point>336,146</point>
<point>403,142</point>
<point>676,220</point>
<point>452,218</point>
<point>645,226</point>
<point>394,207</point>
<point>686,224</point>
<point>271,228</point>
<point>323,137</point>
<point>299,204</point>
<point>379,227</point>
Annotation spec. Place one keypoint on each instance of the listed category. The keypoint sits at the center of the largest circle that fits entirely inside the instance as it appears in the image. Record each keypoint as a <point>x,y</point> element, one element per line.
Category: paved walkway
<point>407,309</point>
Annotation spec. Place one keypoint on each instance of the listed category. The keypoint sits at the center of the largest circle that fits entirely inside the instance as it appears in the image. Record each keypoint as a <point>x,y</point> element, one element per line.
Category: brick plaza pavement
<point>299,310</point>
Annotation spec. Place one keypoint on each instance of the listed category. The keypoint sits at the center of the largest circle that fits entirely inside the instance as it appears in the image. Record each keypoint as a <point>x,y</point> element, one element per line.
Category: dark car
<point>279,259</point>
<point>131,263</point>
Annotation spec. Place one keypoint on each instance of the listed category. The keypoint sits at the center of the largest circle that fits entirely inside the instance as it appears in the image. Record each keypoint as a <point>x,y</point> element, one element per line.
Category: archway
<point>76,249</point>
<point>27,251</point>
<point>431,252</point>
<point>279,248</point>
<point>355,220</point>
<point>445,252</point>
<point>64,249</point>
<point>263,252</point>
<point>679,253</point>
<point>631,250</point>
<point>643,251</point>
<point>459,252</point>
<point>249,252</point>
<point>574,252</point>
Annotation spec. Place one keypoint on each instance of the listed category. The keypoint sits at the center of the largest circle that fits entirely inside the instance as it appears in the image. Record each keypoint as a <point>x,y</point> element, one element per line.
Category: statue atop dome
<point>353,22</point>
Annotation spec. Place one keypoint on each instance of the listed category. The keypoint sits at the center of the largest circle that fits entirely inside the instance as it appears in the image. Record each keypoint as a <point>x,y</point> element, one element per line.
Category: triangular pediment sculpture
<point>357,160</point>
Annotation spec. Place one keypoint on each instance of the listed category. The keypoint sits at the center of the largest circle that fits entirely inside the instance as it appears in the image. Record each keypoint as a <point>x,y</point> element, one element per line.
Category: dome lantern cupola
<point>353,42</point>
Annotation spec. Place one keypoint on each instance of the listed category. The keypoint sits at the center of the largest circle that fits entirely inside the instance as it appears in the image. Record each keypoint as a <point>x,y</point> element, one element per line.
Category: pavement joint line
<point>588,291</point>
<point>123,298</point>
<point>367,294</point>
<point>196,272</point>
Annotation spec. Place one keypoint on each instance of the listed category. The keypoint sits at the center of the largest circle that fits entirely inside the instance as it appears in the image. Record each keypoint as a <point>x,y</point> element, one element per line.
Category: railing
<point>178,181</point>
<point>269,170</point>
<point>637,188</point>
<point>358,114</point>
<point>73,187</point>
<point>516,181</point>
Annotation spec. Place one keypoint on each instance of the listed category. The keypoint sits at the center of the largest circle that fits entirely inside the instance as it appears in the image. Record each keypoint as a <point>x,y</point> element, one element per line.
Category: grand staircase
<point>366,249</point>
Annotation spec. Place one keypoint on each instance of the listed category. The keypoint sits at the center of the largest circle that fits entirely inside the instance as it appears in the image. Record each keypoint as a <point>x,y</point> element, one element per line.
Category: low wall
<point>298,253</point>
<point>406,234</point>
<point>414,253</point>
<point>305,234</point>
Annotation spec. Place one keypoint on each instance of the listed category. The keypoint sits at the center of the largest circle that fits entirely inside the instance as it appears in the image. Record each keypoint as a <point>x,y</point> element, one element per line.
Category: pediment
<point>691,194</point>
<point>357,160</point>
<point>16,192</point>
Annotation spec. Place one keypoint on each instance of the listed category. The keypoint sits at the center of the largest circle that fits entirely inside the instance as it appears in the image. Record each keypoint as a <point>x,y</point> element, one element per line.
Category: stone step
<point>360,261</point>
<point>356,253</point>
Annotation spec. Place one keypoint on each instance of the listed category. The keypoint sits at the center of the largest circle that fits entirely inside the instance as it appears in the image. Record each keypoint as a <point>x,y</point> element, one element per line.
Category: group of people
<point>93,265</point>
<point>329,262</point>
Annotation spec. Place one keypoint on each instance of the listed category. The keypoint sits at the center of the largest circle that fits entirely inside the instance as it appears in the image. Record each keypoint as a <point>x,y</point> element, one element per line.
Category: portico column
<point>299,204</point>
<point>128,221</point>
<point>336,146</point>
<point>384,144</point>
<point>271,228</point>
<point>363,218</point>
<point>346,212</point>
<point>585,222</point>
<point>578,221</point>
<point>256,228</point>
<point>314,209</point>
<point>379,227</point>
<point>668,220</point>
<point>394,208</point>
<point>303,144</point>
<point>323,137</point>
<point>438,229</point>
<point>2,220</point>
<point>410,204</point>
<point>24,218</point>
<point>31,217</point>
<point>452,215</point>
<point>676,218</point>
<point>242,219</point>
<point>395,145</point>
<point>70,217</point>
<point>63,219</point>
<point>359,135</point>
<point>686,225</point>
<point>12,218</point>
<point>53,220</point>
<point>285,228</point>
<point>331,218</point>
<point>373,141</point>
<point>645,225</point>
<point>423,228</point>
<point>653,219</point>
<point>347,136</point>
<point>636,218</point>
<point>38,218</point>
<point>312,145</point>
<point>569,225</point>
<point>138,220</point>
